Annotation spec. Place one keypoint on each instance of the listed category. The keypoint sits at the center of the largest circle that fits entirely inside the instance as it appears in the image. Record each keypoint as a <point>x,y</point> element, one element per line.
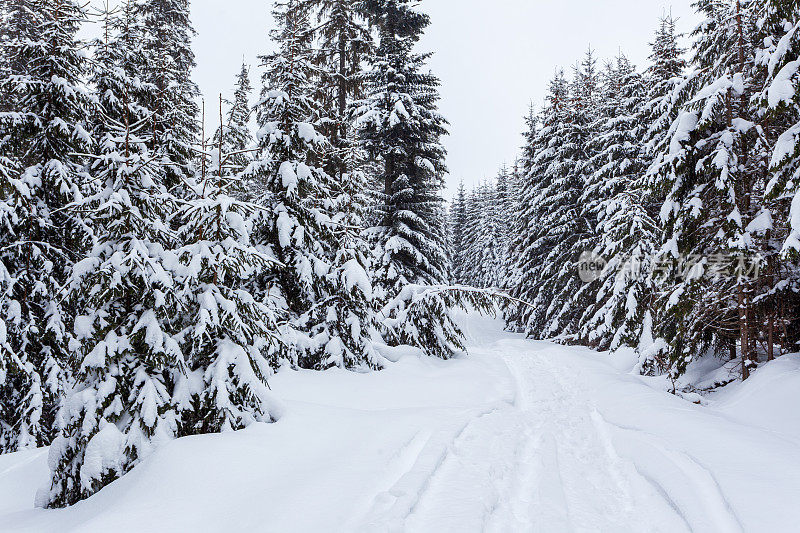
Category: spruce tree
<point>307,218</point>
<point>401,127</point>
<point>627,235</point>
<point>41,134</point>
<point>714,216</point>
<point>543,153</point>
<point>525,222</point>
<point>459,235</point>
<point>666,92</point>
<point>481,253</point>
<point>501,214</point>
<point>344,43</point>
<point>169,341</point>
<point>567,226</point>
<point>229,338</point>
<point>777,53</point>
<point>124,291</point>
<point>17,24</point>
<point>174,123</point>
<point>233,138</point>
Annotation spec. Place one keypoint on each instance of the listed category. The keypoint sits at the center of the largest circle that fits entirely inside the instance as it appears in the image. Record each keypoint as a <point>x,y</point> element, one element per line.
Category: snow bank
<point>344,439</point>
<point>769,399</point>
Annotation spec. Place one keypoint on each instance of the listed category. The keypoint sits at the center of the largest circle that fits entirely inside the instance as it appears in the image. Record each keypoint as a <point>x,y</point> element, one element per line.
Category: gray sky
<point>494,57</point>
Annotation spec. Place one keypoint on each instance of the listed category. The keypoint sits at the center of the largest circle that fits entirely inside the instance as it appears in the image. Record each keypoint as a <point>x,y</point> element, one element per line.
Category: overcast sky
<point>494,57</point>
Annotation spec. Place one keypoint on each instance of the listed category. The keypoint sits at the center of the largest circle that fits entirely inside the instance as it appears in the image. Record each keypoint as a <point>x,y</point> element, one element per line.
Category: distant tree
<point>458,234</point>
<point>627,235</point>
<point>234,136</point>
<point>307,219</point>
<point>174,120</point>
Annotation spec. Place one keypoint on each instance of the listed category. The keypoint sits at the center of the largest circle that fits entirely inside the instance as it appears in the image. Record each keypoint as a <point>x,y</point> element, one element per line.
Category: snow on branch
<point>422,316</point>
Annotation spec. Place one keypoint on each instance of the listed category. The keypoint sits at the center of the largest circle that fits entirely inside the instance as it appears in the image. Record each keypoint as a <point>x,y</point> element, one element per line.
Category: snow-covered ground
<point>519,436</point>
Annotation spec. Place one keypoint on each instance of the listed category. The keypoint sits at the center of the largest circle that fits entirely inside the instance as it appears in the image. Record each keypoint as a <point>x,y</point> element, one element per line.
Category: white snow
<point>519,436</point>
<point>354,275</point>
<point>103,455</point>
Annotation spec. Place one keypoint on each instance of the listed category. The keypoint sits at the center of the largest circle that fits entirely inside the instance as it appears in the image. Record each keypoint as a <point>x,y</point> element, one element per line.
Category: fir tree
<point>525,222</point>
<point>715,223</point>
<point>229,338</point>
<point>665,83</point>
<point>124,291</point>
<point>345,43</point>
<point>41,134</point>
<point>481,253</point>
<point>567,226</point>
<point>167,41</point>
<point>501,212</point>
<point>308,221</point>
<point>234,138</point>
<point>458,234</point>
<point>16,25</point>
<point>169,341</point>
<point>777,55</point>
<point>545,163</point>
<point>615,192</point>
<point>400,126</point>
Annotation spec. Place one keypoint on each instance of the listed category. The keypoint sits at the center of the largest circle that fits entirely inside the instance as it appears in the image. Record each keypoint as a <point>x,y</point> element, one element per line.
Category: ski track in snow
<point>547,462</point>
<point>543,463</point>
<point>521,437</point>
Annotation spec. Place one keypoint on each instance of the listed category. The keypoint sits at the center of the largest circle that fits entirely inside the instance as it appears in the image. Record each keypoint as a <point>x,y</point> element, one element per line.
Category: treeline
<point>152,279</point>
<point>657,209</point>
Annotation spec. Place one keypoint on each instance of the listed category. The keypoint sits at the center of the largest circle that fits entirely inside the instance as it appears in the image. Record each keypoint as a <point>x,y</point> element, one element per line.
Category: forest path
<point>518,436</point>
<point>543,462</point>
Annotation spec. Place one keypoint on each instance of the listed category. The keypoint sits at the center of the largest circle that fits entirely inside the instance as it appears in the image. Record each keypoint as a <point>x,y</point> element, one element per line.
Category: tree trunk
<point>770,337</point>
<point>743,332</point>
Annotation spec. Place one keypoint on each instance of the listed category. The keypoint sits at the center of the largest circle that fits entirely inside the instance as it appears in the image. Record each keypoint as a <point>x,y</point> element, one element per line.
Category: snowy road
<point>521,436</point>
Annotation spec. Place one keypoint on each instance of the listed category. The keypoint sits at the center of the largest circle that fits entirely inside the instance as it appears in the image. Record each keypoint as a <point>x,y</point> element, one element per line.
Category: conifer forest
<point>262,311</point>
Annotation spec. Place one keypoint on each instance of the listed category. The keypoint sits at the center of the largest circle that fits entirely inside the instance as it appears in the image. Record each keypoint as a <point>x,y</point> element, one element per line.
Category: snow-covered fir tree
<point>125,295</point>
<point>229,337</point>
<point>627,235</point>
<point>777,53</point>
<point>41,134</point>
<point>174,112</point>
<point>344,42</point>
<point>401,127</point>
<point>482,253</point>
<point>458,234</point>
<point>501,212</point>
<point>17,20</point>
<point>522,260</point>
<point>233,138</point>
<point>542,160</point>
<point>666,93</point>
<point>714,219</point>
<point>566,226</point>
<point>169,341</point>
<point>307,218</point>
